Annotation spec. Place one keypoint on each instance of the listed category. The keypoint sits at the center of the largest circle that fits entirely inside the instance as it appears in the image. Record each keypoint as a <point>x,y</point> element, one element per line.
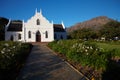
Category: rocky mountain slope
<point>94,23</point>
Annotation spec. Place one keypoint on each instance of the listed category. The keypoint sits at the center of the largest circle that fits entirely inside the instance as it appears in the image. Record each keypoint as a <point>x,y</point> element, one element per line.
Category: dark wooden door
<point>38,38</point>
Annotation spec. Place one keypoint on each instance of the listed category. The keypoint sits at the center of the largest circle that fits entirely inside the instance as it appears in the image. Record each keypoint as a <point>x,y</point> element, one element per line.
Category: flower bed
<point>88,57</point>
<point>12,58</point>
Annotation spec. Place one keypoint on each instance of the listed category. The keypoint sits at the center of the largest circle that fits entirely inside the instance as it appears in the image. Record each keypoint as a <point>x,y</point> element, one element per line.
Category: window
<point>19,36</point>
<point>11,38</point>
<point>61,37</point>
<point>46,34</point>
<point>38,22</point>
<point>55,36</point>
<point>29,34</point>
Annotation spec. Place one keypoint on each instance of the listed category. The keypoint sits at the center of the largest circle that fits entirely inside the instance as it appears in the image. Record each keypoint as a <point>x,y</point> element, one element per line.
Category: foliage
<point>111,45</point>
<point>12,57</point>
<point>109,31</point>
<point>96,55</point>
<point>85,53</point>
<point>84,33</point>
<point>3,22</point>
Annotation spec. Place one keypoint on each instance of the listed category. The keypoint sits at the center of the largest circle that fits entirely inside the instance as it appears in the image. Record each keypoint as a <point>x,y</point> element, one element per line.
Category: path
<point>43,64</point>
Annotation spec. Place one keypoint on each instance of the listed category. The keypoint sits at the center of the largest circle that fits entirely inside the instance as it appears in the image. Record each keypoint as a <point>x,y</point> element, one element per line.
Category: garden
<point>95,59</point>
<point>12,58</point>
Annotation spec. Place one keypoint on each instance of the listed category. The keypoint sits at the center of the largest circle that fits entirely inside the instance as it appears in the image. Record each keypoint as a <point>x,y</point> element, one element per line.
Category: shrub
<point>12,57</point>
<point>96,55</point>
<point>86,53</point>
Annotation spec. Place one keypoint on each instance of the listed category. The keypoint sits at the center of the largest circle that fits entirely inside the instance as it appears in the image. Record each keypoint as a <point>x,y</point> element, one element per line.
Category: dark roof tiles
<point>15,26</point>
<point>58,28</point>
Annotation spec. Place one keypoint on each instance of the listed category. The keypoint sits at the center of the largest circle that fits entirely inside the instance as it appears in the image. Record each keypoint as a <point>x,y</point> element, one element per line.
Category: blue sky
<point>68,11</point>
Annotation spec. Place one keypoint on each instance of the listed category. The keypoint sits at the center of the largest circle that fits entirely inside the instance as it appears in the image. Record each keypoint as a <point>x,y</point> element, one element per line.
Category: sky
<point>68,11</point>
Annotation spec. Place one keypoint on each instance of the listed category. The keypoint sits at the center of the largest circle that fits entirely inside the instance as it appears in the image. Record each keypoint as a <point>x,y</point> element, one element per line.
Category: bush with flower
<point>12,56</point>
<point>85,53</point>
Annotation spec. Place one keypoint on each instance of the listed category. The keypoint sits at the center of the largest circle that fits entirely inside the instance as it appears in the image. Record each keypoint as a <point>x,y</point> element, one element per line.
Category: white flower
<point>14,47</point>
<point>91,47</point>
<point>87,47</point>
<point>86,50</point>
<point>8,50</point>
<point>6,44</point>
<point>73,46</point>
<point>83,47</point>
<point>96,49</point>
<point>3,49</point>
<point>2,52</point>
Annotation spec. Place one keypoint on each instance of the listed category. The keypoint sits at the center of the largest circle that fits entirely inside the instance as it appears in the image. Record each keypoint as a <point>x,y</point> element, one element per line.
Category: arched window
<point>19,36</point>
<point>38,22</point>
<point>46,34</point>
<point>29,34</point>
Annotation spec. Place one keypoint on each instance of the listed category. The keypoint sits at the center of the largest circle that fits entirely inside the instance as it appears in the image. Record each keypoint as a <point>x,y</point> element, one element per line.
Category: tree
<point>110,30</point>
<point>84,33</point>
<point>3,23</point>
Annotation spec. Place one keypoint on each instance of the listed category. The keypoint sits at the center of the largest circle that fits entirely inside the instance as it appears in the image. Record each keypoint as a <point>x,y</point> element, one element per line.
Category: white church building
<point>36,29</point>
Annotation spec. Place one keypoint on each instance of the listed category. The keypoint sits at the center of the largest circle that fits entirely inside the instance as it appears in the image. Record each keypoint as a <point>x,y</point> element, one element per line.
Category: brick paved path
<point>43,64</point>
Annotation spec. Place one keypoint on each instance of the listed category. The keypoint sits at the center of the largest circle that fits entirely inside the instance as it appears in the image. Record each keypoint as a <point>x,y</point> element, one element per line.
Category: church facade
<point>36,29</point>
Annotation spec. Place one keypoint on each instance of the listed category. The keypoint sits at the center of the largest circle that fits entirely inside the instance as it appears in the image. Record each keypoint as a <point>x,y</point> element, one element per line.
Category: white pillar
<point>24,34</point>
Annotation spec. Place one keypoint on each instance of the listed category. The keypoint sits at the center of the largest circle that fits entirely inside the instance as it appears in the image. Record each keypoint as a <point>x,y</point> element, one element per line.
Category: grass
<point>109,46</point>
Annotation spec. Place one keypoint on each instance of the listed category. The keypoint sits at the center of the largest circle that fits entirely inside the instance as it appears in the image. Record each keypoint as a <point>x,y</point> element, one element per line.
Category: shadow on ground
<point>112,72</point>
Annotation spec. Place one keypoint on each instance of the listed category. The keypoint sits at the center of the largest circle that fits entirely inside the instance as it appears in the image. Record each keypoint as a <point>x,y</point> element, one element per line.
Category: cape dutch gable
<point>36,29</point>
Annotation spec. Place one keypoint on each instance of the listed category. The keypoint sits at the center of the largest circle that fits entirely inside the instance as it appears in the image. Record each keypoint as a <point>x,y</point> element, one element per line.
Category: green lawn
<point>110,46</point>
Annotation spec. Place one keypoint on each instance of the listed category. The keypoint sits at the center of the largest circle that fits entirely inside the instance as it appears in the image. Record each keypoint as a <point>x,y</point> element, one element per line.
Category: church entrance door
<point>38,36</point>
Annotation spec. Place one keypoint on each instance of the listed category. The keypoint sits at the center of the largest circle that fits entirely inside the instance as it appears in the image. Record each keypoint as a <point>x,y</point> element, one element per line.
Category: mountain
<point>94,23</point>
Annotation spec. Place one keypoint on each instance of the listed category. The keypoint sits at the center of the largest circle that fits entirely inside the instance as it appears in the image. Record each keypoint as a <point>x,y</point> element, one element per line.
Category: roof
<point>15,26</point>
<point>58,28</point>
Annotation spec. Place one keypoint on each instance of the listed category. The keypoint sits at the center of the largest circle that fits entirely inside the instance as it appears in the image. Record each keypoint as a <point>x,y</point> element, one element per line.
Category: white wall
<point>15,36</point>
<point>32,26</point>
<point>44,26</point>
